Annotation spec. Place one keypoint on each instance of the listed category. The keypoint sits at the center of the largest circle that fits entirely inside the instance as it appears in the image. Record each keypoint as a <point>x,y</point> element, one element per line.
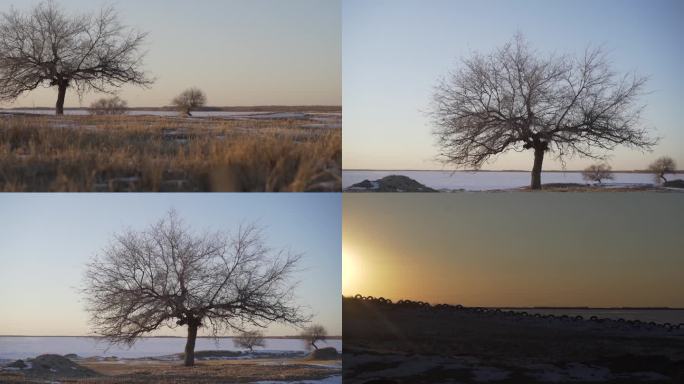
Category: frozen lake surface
<point>661,316</point>
<point>492,180</point>
<point>22,347</point>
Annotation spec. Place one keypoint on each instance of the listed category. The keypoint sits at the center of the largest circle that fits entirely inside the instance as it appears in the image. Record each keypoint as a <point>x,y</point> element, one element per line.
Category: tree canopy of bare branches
<point>249,340</point>
<point>662,166</point>
<point>109,106</point>
<point>47,46</point>
<point>188,100</point>
<point>517,99</point>
<point>597,173</point>
<point>169,276</point>
<point>314,333</point>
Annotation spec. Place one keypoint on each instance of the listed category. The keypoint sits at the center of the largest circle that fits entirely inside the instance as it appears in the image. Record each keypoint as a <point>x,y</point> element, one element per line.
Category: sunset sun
<point>350,271</point>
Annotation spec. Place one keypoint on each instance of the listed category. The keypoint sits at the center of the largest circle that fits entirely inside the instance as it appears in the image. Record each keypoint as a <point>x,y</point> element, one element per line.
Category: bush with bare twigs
<point>662,166</point>
<point>597,173</point>
<point>108,106</point>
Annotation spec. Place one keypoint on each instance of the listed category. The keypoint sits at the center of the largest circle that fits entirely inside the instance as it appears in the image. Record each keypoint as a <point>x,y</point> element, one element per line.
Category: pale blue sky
<point>46,239</point>
<point>240,52</point>
<point>395,50</point>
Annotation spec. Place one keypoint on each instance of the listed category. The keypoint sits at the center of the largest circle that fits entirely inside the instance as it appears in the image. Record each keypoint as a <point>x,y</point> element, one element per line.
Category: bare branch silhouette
<point>188,100</point>
<point>517,99</point>
<point>47,46</point>
<point>168,276</point>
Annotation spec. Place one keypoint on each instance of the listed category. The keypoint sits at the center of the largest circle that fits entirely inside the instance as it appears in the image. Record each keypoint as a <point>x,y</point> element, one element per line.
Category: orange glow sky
<point>516,249</point>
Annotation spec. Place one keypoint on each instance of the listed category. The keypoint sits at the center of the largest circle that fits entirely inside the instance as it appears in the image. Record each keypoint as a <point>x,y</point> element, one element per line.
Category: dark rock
<point>679,183</point>
<point>391,183</point>
<point>17,364</point>
<point>56,366</point>
<point>328,353</point>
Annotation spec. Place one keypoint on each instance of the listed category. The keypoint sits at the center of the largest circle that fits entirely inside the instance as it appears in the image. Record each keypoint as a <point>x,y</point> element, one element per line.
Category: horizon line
<point>176,337</point>
<point>198,108</point>
<point>522,307</point>
<point>495,170</point>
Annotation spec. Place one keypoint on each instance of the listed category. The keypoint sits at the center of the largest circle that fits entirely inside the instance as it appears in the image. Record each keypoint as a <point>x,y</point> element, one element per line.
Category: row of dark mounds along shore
<point>620,322</point>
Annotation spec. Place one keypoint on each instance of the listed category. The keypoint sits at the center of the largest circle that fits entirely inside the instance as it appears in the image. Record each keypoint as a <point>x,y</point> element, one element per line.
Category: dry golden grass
<point>152,153</point>
<point>206,372</point>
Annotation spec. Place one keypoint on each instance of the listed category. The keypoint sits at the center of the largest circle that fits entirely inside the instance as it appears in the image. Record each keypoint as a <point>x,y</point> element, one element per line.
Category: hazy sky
<point>240,52</point>
<point>516,249</point>
<point>394,51</point>
<point>46,239</point>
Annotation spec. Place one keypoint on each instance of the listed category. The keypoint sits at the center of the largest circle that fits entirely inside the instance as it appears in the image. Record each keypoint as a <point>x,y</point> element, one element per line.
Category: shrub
<point>597,172</point>
<point>662,166</point>
<point>109,106</point>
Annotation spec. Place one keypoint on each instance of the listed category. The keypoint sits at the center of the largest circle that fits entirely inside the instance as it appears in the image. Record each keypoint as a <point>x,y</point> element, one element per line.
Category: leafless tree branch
<point>517,99</point>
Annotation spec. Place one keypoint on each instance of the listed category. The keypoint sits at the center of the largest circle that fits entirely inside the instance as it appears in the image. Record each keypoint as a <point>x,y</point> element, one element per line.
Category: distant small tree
<point>109,106</point>
<point>597,173</point>
<point>662,166</point>
<point>189,99</point>
<point>313,334</point>
<point>249,340</point>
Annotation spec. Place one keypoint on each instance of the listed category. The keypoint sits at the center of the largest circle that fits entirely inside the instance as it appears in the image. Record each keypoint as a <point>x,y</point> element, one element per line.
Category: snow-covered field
<point>22,347</point>
<point>83,112</point>
<point>483,181</point>
<point>310,119</point>
<point>314,116</point>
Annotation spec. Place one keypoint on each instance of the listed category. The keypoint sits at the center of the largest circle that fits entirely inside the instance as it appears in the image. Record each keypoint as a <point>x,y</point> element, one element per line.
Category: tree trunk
<point>537,168</point>
<point>61,93</point>
<point>190,346</point>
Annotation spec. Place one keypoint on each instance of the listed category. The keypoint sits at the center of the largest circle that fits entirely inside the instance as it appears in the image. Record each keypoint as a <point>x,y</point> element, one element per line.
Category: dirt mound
<point>328,353</point>
<point>17,364</point>
<point>679,183</point>
<point>391,183</point>
<point>56,366</point>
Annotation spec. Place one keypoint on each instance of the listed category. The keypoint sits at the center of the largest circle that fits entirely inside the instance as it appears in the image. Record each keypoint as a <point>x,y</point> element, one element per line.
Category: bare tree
<point>249,340</point>
<point>188,100</point>
<point>47,46</point>
<point>516,99</point>
<point>169,276</point>
<point>597,173</point>
<point>109,106</point>
<point>314,333</point>
<point>662,166</point>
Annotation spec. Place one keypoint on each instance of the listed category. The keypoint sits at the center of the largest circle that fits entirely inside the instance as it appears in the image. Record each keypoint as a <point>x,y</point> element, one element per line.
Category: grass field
<point>167,154</point>
<point>204,372</point>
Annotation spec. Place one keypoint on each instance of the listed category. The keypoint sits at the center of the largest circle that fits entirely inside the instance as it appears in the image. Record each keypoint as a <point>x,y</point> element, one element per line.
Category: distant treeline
<point>603,308</point>
<point>497,170</point>
<point>254,108</point>
<point>178,337</point>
